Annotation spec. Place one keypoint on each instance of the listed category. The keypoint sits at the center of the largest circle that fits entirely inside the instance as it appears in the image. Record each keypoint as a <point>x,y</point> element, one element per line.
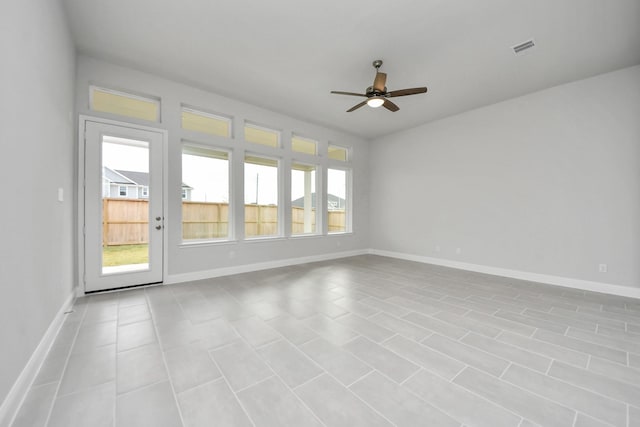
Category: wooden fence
<point>125,221</point>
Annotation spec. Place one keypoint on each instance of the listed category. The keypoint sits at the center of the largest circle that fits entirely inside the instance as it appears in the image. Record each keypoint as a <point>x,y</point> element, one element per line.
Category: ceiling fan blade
<point>337,92</point>
<point>390,106</point>
<point>379,82</point>
<point>405,92</point>
<point>355,107</point>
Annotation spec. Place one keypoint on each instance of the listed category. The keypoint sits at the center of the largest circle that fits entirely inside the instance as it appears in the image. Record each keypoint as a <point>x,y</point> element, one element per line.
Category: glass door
<point>124,217</point>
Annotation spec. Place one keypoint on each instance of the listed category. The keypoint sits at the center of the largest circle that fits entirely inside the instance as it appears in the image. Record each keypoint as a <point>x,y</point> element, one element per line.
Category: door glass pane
<point>125,205</point>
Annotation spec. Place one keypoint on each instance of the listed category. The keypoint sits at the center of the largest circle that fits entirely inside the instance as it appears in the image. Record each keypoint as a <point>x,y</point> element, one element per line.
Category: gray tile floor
<point>364,341</point>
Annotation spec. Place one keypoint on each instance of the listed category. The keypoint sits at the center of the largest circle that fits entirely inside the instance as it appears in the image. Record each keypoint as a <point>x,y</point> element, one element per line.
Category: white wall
<point>547,183</point>
<point>189,261</point>
<point>37,137</point>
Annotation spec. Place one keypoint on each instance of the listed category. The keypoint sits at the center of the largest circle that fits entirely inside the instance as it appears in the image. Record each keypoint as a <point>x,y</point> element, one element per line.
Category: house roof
<point>140,178</point>
<point>115,177</point>
<point>119,176</point>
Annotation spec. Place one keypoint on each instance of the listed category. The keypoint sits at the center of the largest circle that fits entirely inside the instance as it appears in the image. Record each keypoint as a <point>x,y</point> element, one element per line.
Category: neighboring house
<point>130,184</point>
<point>334,203</point>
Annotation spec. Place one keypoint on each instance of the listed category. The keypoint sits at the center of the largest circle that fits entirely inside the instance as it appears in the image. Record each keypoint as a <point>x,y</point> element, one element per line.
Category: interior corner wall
<point>37,137</point>
<point>546,183</point>
<point>190,262</point>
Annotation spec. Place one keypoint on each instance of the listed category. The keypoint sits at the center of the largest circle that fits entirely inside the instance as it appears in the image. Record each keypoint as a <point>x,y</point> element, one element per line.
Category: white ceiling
<point>286,55</point>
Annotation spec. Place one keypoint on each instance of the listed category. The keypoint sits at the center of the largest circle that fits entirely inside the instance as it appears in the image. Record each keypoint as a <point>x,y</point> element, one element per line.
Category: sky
<point>209,177</point>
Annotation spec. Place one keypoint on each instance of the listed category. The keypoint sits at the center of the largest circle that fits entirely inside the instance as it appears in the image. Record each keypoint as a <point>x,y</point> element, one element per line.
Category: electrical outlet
<point>602,268</point>
<point>61,194</point>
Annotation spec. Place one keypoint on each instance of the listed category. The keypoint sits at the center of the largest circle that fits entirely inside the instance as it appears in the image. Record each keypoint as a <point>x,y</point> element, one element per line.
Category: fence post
<point>105,222</point>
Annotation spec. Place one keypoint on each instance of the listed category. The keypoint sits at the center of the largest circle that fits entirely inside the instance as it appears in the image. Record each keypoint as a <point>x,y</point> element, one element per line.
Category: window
<point>205,193</point>
<point>337,200</point>
<point>338,153</point>
<point>304,145</point>
<point>303,199</point>
<point>145,191</point>
<point>122,191</point>
<point>260,196</point>
<point>124,104</point>
<point>205,122</point>
<point>261,135</point>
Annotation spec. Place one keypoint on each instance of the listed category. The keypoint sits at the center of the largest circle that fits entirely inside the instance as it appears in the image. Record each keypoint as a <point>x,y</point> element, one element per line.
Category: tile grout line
<point>275,374</point>
<point>552,360</point>
<point>224,378</point>
<point>66,365</point>
<point>325,372</point>
<point>164,363</point>
<point>521,389</point>
<point>572,385</point>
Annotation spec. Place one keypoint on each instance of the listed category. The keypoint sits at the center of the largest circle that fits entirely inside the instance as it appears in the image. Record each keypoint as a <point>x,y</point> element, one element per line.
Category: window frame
<point>126,191</point>
<point>279,186</point>
<point>230,205</point>
<point>348,223</point>
<point>318,212</point>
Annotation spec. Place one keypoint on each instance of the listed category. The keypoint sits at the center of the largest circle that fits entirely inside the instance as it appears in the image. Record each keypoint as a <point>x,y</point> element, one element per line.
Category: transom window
<point>338,153</point>
<point>199,121</point>
<point>261,135</point>
<point>124,104</point>
<point>304,145</point>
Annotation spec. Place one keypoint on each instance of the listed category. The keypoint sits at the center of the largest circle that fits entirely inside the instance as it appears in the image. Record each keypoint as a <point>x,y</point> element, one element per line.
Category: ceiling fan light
<point>375,102</point>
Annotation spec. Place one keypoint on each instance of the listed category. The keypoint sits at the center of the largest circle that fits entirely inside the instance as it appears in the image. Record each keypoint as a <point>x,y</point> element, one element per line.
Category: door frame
<point>81,179</point>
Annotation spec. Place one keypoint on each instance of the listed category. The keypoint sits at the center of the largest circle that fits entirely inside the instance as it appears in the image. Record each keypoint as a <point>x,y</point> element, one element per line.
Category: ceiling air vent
<point>519,49</point>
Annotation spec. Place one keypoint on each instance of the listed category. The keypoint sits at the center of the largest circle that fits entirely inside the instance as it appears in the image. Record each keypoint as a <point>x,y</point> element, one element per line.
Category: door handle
<point>158,227</point>
<point>158,218</point>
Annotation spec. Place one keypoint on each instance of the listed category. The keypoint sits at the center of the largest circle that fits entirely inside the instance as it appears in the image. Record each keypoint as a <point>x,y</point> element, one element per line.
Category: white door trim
<point>82,119</point>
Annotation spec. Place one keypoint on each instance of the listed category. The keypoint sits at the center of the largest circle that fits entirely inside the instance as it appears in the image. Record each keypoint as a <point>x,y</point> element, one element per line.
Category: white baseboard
<point>567,282</point>
<point>17,394</point>
<point>246,268</point>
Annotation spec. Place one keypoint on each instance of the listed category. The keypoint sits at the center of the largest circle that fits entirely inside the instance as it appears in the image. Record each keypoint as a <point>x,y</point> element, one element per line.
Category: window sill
<point>264,239</point>
<point>305,236</point>
<point>201,243</point>
<point>340,233</point>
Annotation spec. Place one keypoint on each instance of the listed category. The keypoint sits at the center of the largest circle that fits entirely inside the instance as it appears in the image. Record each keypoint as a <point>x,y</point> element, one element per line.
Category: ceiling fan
<point>377,95</point>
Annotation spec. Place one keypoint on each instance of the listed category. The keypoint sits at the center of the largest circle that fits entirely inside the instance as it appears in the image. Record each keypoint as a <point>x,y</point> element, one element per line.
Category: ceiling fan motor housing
<point>372,92</point>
